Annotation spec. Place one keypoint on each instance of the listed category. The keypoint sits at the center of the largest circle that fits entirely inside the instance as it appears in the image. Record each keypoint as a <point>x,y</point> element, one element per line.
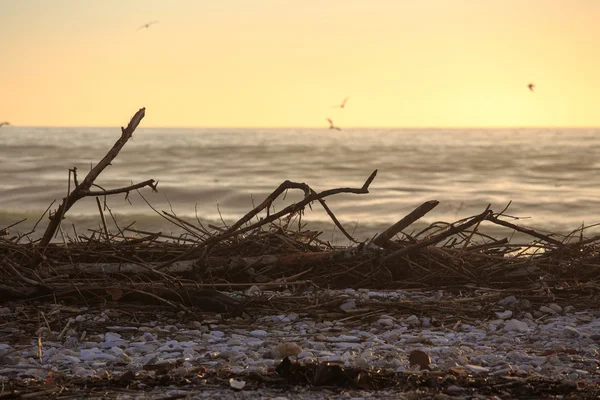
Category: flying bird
<point>341,105</point>
<point>531,86</point>
<point>332,126</point>
<point>4,123</point>
<point>148,25</point>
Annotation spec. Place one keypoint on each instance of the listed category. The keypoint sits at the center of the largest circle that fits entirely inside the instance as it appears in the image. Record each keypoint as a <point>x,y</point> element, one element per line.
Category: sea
<point>549,177</point>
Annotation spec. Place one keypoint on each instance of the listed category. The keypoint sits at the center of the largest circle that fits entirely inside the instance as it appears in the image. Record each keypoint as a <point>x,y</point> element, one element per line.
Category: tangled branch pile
<point>278,251</point>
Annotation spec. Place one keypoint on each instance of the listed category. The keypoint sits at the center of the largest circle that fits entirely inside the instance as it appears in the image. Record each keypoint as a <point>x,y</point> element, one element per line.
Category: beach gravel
<point>560,345</point>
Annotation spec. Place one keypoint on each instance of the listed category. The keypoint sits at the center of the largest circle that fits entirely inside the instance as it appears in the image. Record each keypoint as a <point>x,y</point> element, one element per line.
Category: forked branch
<point>83,189</point>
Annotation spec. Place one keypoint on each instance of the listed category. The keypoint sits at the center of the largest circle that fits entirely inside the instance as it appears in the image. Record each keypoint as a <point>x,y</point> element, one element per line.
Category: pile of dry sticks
<point>278,252</point>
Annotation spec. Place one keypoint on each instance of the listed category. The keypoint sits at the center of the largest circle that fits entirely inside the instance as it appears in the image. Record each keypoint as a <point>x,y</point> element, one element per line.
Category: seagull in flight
<point>531,86</point>
<point>4,123</point>
<point>148,25</point>
<point>341,105</point>
<point>332,126</point>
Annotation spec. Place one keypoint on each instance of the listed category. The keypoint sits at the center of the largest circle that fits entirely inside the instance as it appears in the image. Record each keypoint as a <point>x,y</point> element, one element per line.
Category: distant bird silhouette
<point>148,25</point>
<point>332,126</point>
<point>341,105</point>
<point>4,123</point>
<point>531,86</point>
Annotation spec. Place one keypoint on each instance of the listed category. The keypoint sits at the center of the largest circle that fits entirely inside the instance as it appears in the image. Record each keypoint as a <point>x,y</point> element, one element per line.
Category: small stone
<point>361,362</point>
<point>4,311</point>
<point>235,384</point>
<point>516,325</point>
<point>319,346</point>
<point>547,310</point>
<point>87,355</point>
<point>391,336</point>
<point>385,322</point>
<point>288,349</point>
<point>348,305</point>
<point>555,307</point>
<point>507,300</point>
<point>476,369</point>
<point>412,320</point>
<point>253,290</point>
<point>528,316</point>
<point>504,314</point>
<point>523,304</point>
<point>454,389</point>
<point>305,354</point>
<point>196,325</point>
<point>570,332</point>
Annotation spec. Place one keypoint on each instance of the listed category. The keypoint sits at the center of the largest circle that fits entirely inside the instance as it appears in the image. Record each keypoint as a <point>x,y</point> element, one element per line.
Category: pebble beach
<point>513,341</point>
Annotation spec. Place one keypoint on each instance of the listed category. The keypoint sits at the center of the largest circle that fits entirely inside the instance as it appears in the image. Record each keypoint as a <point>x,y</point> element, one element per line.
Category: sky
<point>277,63</point>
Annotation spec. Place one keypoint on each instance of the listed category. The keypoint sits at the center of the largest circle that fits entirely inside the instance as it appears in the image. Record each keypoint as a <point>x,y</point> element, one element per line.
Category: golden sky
<point>277,63</point>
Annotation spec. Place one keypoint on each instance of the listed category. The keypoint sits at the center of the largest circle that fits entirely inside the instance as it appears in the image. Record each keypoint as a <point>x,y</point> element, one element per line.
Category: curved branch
<point>310,196</point>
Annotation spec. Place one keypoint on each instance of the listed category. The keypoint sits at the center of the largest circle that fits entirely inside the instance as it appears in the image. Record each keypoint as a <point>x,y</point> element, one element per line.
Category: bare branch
<point>83,189</point>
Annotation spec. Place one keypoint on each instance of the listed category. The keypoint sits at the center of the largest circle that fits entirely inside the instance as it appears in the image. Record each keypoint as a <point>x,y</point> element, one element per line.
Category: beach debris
<point>330,374</point>
<point>115,293</point>
<point>531,86</point>
<point>420,358</point>
<point>83,189</point>
<point>352,353</point>
<point>351,312</point>
<point>288,349</point>
<point>236,384</point>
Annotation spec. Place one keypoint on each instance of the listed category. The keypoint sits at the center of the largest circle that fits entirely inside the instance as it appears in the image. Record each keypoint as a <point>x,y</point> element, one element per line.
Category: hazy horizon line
<point>313,127</point>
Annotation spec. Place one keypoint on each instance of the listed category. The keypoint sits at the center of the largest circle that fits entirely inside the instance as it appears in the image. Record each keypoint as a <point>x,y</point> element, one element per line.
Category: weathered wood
<point>83,189</point>
<point>417,213</point>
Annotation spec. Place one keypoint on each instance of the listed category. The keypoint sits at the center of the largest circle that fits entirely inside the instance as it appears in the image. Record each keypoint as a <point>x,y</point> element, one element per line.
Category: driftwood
<point>310,196</point>
<point>83,189</point>
<point>438,238</point>
<point>383,238</point>
<point>272,254</point>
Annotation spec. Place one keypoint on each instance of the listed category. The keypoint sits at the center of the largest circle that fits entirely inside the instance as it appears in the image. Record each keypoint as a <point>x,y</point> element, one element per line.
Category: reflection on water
<point>551,175</point>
